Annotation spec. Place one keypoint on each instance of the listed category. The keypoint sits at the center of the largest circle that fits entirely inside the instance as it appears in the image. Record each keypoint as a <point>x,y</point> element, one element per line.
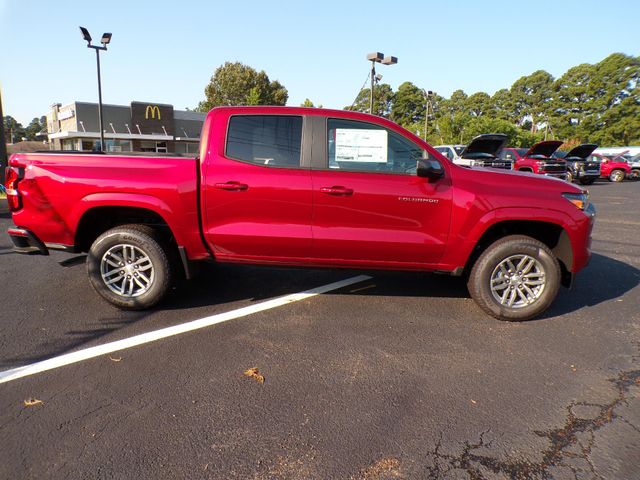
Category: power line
<point>361,88</point>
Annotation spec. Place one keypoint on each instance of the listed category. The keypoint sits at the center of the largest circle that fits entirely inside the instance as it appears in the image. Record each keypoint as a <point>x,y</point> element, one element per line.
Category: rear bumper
<point>26,242</point>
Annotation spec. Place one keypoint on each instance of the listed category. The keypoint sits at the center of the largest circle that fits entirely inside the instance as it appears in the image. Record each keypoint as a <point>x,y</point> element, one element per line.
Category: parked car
<point>451,152</point>
<point>482,151</point>
<point>612,168</point>
<point>634,163</point>
<point>302,187</point>
<point>537,159</point>
<point>578,168</point>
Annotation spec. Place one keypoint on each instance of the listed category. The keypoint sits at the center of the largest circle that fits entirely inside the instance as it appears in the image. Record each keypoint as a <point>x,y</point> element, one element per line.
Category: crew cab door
<point>370,207</point>
<point>257,189</point>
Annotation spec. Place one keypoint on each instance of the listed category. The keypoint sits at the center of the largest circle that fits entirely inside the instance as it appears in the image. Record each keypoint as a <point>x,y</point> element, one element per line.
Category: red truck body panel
<point>57,190</point>
<point>258,214</point>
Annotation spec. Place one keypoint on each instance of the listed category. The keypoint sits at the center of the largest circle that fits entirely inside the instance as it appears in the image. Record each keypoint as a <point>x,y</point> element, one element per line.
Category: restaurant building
<point>139,127</point>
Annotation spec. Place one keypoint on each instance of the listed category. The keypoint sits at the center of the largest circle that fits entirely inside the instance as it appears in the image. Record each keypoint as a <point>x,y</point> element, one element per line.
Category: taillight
<point>13,175</point>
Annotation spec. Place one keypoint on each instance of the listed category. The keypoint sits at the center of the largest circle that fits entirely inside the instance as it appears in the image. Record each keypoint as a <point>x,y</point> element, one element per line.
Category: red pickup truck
<point>537,159</point>
<point>303,187</point>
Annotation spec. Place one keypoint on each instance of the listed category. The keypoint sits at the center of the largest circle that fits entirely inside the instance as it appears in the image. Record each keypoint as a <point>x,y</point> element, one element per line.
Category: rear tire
<point>616,176</point>
<point>634,175</point>
<point>514,279</point>
<point>130,267</point>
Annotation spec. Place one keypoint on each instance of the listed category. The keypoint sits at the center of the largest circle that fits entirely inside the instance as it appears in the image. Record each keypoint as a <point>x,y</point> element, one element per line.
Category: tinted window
<point>359,146</point>
<point>272,140</point>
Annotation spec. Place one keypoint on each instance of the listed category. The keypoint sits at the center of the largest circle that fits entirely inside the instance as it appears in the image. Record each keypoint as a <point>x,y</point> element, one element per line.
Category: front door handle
<point>337,190</point>
<point>232,186</point>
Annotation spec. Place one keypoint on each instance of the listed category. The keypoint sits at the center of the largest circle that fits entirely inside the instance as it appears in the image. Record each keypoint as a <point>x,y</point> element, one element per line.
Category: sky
<point>166,52</point>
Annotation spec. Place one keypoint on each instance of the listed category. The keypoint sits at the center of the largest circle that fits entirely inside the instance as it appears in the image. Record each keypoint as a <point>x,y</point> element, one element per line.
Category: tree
<point>479,104</point>
<point>382,102</point>
<point>309,104</point>
<point>13,130</point>
<point>532,95</point>
<point>503,105</point>
<point>455,104</point>
<point>35,128</point>
<point>409,105</point>
<point>599,102</point>
<point>239,84</point>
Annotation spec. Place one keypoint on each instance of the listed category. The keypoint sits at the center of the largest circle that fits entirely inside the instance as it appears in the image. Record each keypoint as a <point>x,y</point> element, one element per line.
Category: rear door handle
<point>232,186</point>
<point>337,190</point>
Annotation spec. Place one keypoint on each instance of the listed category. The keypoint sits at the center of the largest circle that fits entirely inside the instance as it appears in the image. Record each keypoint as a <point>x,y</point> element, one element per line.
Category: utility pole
<point>3,143</point>
<point>106,38</point>
<point>377,57</point>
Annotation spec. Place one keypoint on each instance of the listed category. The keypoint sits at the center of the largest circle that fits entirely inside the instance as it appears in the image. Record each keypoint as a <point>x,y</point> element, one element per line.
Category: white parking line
<point>91,352</point>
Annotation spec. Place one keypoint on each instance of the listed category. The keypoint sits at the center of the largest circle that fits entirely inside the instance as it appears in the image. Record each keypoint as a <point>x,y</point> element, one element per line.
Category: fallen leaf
<point>115,359</point>
<point>255,374</point>
<point>31,402</point>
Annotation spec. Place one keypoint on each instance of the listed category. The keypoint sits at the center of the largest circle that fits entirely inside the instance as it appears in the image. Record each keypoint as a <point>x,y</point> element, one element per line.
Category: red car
<point>537,159</point>
<point>304,187</point>
<point>613,168</point>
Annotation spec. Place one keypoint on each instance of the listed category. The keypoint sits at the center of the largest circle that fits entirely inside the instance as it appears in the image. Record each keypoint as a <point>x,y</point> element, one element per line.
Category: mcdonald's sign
<point>152,118</point>
<point>152,111</point>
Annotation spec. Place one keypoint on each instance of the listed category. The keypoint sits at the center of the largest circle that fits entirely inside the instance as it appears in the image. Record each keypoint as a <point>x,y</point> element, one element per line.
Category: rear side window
<point>270,140</point>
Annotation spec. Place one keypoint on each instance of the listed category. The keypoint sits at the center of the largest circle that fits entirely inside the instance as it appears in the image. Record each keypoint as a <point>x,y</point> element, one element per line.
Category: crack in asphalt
<point>562,449</point>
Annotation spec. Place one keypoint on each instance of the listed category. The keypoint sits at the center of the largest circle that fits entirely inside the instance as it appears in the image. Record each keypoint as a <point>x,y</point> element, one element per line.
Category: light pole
<point>427,95</point>
<point>106,38</point>
<point>3,144</point>
<point>374,58</point>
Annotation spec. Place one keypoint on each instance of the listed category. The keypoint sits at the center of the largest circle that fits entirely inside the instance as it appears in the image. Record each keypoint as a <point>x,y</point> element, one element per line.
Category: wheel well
<point>98,220</point>
<point>551,234</point>
<point>525,169</point>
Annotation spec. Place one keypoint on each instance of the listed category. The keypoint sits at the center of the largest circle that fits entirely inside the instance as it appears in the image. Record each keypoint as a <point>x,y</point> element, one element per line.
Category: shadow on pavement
<point>605,279</point>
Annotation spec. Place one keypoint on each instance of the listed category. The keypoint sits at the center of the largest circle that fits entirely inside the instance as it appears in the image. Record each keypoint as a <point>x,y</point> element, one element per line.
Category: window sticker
<point>356,145</point>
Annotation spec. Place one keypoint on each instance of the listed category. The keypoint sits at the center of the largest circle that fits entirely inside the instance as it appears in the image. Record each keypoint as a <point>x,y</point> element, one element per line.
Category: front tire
<point>569,176</point>
<point>514,279</point>
<point>129,267</point>
<point>616,176</point>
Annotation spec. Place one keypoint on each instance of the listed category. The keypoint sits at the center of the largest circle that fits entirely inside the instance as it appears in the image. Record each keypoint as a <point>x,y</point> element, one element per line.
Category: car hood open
<point>581,151</point>
<point>485,145</point>
<point>545,148</point>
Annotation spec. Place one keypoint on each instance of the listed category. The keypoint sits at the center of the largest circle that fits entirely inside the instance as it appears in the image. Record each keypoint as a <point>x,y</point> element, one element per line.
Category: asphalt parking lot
<point>398,375</point>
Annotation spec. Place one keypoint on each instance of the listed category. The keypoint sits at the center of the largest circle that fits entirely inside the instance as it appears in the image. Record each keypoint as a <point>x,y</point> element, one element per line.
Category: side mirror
<point>430,169</point>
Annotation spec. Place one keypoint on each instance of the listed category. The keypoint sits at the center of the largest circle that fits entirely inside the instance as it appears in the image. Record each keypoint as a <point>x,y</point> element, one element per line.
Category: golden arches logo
<point>153,110</point>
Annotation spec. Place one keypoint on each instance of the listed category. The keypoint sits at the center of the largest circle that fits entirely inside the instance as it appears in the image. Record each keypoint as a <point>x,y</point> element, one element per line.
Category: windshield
<point>458,149</point>
<point>521,151</point>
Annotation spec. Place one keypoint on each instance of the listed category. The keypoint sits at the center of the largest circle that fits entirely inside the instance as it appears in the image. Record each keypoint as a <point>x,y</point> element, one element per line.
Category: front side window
<point>359,146</point>
<point>271,140</point>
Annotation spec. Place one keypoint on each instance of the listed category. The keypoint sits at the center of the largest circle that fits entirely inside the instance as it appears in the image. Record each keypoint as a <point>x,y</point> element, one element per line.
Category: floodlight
<point>85,34</point>
<point>375,57</point>
<point>106,38</point>
<point>389,60</point>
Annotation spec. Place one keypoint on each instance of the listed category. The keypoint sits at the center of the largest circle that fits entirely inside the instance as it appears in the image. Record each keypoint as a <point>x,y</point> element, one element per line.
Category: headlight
<point>580,200</point>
